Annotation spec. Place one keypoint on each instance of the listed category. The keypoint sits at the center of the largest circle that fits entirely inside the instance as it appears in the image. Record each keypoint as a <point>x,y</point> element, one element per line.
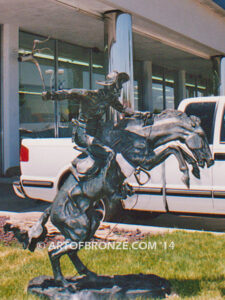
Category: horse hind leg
<point>81,268</point>
<point>94,217</point>
<point>76,229</point>
<point>70,248</point>
<point>54,256</point>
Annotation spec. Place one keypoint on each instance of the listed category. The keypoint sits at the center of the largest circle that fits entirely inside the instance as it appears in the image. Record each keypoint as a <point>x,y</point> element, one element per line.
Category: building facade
<point>171,50</point>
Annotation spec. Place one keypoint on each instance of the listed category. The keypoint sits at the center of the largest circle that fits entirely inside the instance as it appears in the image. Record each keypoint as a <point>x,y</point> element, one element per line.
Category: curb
<point>155,229</point>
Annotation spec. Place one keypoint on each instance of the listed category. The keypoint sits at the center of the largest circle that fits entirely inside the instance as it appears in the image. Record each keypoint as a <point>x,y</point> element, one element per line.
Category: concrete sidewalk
<point>107,231</point>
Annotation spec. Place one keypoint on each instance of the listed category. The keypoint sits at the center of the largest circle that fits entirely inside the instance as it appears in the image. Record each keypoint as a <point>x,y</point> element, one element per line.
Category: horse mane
<point>147,119</point>
<point>170,113</point>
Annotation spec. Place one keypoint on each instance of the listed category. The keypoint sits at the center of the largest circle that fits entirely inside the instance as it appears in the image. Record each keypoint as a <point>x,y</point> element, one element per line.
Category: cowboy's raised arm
<point>72,94</point>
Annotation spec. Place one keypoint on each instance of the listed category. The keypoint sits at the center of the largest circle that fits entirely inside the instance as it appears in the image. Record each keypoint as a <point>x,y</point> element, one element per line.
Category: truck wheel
<point>109,211</point>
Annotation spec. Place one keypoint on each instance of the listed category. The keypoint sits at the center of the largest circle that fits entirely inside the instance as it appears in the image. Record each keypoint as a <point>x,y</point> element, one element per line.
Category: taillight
<point>24,153</point>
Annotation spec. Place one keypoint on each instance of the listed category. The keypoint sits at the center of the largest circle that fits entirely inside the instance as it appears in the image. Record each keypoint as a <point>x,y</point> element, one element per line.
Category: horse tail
<point>38,231</point>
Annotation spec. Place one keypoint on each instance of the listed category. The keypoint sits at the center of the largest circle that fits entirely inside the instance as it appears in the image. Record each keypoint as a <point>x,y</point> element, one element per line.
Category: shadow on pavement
<point>192,222</point>
<point>10,202</point>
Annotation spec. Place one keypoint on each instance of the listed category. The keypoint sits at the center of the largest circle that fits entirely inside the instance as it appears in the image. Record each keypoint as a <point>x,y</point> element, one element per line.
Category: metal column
<point>119,50</point>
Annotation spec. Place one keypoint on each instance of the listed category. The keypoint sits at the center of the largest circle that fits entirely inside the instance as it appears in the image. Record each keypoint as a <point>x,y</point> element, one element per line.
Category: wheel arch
<point>63,178</point>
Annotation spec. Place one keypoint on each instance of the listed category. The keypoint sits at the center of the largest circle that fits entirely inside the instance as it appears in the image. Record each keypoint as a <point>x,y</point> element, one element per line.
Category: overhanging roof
<point>81,23</point>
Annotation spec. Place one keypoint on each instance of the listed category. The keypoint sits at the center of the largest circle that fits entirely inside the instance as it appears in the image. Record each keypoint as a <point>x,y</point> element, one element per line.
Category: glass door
<point>1,128</point>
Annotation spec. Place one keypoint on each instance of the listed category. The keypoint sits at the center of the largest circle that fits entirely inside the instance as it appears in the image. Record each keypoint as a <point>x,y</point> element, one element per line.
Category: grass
<point>195,267</point>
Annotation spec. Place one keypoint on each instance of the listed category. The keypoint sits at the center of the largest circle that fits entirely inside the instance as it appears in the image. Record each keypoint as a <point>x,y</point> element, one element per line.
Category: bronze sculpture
<point>143,140</point>
<point>137,139</point>
<point>73,210</point>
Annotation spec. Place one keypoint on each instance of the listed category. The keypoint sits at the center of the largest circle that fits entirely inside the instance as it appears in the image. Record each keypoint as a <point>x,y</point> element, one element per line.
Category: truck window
<point>222,133</point>
<point>205,111</point>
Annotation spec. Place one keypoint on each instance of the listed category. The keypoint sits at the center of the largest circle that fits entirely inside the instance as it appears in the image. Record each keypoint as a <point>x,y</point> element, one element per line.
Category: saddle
<point>89,163</point>
<point>84,167</point>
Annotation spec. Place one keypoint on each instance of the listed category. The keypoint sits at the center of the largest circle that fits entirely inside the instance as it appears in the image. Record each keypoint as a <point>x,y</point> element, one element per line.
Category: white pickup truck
<point>45,165</point>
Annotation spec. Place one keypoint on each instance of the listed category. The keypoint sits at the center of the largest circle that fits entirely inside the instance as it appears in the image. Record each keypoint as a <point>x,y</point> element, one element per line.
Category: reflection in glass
<point>73,61</point>
<point>157,96</point>
<point>162,80</point>
<point>36,116</point>
<point>98,70</point>
<point>196,86</point>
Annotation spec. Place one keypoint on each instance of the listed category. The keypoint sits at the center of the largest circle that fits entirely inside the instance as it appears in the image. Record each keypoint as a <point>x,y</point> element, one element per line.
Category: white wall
<point>10,97</point>
<point>190,18</point>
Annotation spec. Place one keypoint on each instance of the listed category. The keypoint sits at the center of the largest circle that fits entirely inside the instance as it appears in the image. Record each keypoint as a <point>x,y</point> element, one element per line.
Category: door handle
<point>219,156</point>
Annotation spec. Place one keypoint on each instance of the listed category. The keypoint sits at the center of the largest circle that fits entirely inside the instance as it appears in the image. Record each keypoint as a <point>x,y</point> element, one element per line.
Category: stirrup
<point>137,172</point>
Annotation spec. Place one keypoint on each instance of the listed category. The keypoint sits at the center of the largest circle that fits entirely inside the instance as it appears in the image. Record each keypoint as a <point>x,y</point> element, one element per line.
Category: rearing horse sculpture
<point>144,141</point>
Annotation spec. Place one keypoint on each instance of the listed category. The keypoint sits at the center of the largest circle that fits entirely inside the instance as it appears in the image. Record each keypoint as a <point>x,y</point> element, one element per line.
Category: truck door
<point>197,199</point>
<point>219,157</point>
<point>149,196</point>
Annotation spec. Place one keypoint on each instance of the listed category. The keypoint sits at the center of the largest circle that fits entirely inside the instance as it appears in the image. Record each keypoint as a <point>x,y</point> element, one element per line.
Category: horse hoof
<point>186,181</point>
<point>92,276</point>
<point>196,172</point>
<point>63,282</point>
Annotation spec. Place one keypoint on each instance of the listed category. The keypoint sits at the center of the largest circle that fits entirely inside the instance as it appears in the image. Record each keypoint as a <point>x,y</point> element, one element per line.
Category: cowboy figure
<point>93,104</point>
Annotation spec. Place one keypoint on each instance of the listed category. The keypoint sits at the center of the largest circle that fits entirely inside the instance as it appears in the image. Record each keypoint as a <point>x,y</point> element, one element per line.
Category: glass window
<point>190,86</point>
<point>73,72</point>
<point>169,89</point>
<point>205,111</point>
<point>196,86</point>
<point>138,85</point>
<point>36,115</point>
<point>222,133</point>
<point>40,118</point>
<point>162,79</point>
<point>98,70</point>
<point>157,89</point>
<point>157,96</point>
<point>1,135</point>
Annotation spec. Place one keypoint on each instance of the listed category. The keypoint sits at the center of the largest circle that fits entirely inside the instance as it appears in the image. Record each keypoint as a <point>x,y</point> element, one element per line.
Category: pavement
<point>27,211</point>
<point>11,203</point>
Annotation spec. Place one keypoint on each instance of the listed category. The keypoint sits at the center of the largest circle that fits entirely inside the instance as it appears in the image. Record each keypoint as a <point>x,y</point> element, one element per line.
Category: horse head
<point>197,142</point>
<point>168,126</point>
<point>173,125</point>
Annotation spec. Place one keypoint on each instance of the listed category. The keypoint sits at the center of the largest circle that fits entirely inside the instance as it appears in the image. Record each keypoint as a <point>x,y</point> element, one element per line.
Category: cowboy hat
<point>115,77</point>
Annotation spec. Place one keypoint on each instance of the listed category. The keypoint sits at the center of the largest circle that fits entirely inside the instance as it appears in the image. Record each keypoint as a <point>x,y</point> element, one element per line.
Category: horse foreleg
<point>162,155</point>
<point>195,169</point>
